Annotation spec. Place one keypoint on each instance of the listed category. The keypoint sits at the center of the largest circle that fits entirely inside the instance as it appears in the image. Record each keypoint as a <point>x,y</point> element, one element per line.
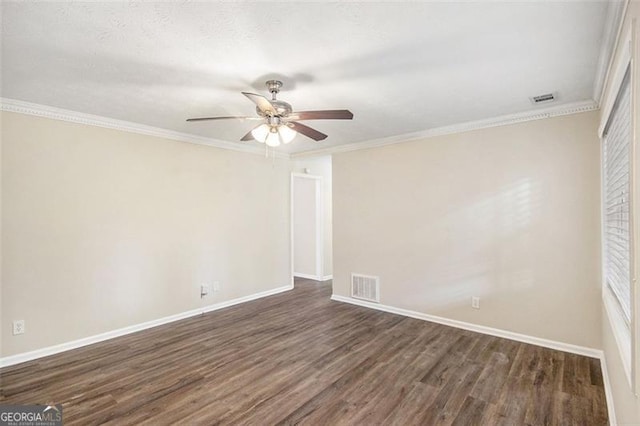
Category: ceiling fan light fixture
<point>261,132</point>
<point>273,137</point>
<point>286,133</point>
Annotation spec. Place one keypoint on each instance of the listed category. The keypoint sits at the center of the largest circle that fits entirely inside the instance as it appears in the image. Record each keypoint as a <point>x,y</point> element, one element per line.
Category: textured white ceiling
<point>400,67</point>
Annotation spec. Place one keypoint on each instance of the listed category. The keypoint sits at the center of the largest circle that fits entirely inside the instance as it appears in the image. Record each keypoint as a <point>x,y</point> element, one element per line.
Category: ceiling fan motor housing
<point>282,109</point>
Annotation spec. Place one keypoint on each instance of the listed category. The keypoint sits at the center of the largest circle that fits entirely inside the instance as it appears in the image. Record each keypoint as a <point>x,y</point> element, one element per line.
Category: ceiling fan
<point>280,124</point>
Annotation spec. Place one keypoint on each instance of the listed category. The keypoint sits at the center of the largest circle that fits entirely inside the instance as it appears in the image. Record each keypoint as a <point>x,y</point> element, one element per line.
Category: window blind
<point>617,208</point>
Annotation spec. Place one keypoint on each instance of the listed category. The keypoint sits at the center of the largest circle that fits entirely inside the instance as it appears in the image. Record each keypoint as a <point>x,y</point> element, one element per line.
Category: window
<point>616,197</point>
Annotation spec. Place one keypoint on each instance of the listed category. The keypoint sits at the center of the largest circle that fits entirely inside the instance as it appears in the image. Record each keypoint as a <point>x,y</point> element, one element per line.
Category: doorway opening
<point>311,251</point>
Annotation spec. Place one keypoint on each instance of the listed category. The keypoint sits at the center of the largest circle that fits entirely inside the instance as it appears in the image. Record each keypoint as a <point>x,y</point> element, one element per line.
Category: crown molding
<point>505,120</point>
<point>22,107</point>
<point>616,11</point>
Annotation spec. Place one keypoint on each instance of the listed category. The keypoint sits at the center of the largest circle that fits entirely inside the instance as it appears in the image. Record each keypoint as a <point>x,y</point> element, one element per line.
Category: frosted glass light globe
<point>286,133</point>
<point>260,133</point>
<point>273,138</point>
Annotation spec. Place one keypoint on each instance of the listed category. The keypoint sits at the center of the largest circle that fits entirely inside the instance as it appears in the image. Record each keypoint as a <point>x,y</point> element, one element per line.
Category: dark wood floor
<point>298,357</point>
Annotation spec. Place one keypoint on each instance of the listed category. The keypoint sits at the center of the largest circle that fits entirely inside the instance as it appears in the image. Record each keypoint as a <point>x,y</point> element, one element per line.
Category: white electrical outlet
<point>18,327</point>
<point>475,302</point>
<point>216,286</point>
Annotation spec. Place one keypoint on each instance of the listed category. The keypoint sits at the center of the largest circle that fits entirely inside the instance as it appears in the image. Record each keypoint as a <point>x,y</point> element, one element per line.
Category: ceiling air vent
<point>365,287</point>
<point>543,99</point>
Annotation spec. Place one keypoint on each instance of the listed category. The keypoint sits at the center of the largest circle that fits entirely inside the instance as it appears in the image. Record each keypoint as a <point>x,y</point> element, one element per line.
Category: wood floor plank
<point>300,358</point>
<point>413,407</point>
<point>450,399</point>
<point>471,412</point>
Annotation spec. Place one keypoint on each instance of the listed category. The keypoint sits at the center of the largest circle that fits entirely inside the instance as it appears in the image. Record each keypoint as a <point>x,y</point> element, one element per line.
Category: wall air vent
<point>543,99</point>
<point>365,287</point>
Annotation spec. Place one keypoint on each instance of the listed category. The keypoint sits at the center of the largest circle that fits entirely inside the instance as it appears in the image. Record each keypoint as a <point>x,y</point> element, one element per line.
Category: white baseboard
<point>51,350</point>
<point>566,347</point>
<point>313,277</point>
<point>607,390</point>
<point>307,276</point>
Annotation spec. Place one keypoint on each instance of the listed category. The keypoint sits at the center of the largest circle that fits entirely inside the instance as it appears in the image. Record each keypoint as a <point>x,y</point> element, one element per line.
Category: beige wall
<point>321,166</point>
<point>103,229</point>
<point>627,405</point>
<point>509,214</point>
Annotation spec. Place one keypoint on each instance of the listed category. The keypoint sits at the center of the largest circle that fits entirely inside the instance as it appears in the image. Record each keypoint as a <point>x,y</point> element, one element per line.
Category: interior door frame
<point>319,227</point>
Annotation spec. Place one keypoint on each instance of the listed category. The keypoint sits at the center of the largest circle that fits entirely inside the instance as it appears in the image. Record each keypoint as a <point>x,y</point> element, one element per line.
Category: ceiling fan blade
<point>248,137</point>
<point>263,103</point>
<point>330,114</point>
<point>224,118</point>
<point>307,131</point>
